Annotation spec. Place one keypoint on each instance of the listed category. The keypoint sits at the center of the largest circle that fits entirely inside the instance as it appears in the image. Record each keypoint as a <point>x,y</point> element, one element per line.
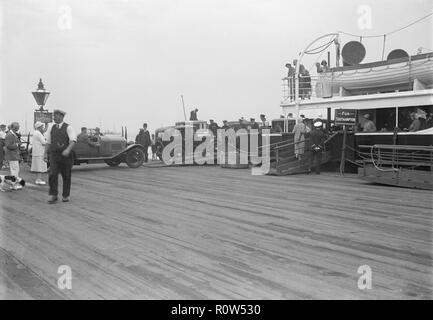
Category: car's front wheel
<point>134,158</point>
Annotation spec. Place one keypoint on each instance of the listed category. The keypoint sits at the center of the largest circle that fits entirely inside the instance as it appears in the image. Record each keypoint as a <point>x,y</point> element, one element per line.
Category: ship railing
<point>310,88</point>
<point>393,157</point>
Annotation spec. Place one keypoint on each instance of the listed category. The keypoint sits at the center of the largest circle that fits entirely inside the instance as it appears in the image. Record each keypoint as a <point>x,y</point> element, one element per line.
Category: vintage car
<point>111,149</point>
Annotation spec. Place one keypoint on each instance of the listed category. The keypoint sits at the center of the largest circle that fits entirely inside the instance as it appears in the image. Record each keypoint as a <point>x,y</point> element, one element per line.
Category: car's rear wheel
<point>113,162</point>
<point>134,158</point>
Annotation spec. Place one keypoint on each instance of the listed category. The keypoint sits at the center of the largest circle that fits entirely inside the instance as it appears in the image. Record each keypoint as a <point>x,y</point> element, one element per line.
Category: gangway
<point>284,161</point>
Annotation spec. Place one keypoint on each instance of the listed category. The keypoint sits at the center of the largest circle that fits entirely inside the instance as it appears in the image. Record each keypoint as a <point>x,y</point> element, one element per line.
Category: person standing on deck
<point>193,115</point>
<point>254,124</point>
<point>12,152</point>
<point>61,139</point>
<point>2,144</point>
<point>290,81</point>
<point>265,122</point>
<point>317,138</point>
<point>300,129</point>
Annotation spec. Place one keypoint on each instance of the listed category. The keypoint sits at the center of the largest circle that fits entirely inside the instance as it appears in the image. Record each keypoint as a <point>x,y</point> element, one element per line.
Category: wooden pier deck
<point>212,233</point>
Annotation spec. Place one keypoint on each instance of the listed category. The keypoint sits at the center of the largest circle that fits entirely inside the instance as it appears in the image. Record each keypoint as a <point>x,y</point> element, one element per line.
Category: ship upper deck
<point>366,101</point>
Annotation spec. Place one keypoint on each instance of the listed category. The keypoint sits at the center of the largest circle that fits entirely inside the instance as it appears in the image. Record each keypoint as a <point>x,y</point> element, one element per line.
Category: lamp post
<point>41,96</point>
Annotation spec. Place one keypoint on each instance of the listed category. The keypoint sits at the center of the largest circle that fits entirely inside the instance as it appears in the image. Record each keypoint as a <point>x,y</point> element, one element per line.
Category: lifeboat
<point>406,73</point>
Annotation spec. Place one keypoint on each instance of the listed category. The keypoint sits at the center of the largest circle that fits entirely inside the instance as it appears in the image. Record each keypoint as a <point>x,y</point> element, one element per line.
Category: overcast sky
<point>125,62</point>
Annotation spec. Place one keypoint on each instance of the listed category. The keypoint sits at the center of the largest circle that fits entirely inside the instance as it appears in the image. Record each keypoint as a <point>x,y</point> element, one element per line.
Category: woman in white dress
<point>38,147</point>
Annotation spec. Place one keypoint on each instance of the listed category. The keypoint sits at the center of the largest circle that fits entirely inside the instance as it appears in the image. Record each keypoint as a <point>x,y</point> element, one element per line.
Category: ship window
<point>384,119</point>
<point>406,116</point>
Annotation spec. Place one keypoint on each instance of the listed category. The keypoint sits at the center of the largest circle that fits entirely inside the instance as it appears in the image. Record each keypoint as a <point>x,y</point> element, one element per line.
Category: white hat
<point>318,124</point>
<point>38,124</point>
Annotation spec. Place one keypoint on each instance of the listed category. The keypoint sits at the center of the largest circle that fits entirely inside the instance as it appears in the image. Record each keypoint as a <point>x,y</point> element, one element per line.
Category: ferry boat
<point>394,93</point>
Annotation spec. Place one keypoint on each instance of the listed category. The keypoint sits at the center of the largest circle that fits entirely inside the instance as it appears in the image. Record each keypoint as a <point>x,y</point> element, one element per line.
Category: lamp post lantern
<point>41,96</point>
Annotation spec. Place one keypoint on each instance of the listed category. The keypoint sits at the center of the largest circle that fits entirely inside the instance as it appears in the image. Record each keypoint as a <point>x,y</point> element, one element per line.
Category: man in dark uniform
<point>193,115</point>
<point>317,138</point>
<point>146,142</point>
<point>61,138</point>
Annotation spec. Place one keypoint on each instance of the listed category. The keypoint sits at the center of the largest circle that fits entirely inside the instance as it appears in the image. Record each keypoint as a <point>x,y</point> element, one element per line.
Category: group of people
<point>93,140</point>
<point>51,144</point>
<point>242,123</point>
<point>305,89</point>
<point>317,139</point>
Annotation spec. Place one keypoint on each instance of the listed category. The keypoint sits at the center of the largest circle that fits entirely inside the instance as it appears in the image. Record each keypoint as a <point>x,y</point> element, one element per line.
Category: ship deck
<point>210,233</point>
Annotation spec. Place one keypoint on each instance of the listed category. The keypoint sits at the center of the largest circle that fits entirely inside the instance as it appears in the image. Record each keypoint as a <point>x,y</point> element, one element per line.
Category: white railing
<point>308,88</point>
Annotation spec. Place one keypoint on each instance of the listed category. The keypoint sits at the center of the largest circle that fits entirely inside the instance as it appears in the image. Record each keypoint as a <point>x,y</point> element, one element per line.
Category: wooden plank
<point>207,233</point>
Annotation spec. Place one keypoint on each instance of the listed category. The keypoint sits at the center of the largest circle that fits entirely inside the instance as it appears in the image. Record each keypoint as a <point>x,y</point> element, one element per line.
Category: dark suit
<point>58,163</point>
<point>317,138</point>
<point>143,138</point>
<point>193,116</point>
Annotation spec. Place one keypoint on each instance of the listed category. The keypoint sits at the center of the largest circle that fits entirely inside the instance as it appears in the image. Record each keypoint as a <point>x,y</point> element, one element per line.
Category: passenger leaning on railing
<point>290,80</point>
<point>304,83</point>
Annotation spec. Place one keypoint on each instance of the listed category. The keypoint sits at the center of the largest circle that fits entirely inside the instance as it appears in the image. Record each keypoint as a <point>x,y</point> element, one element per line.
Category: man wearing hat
<point>12,151</point>
<point>317,138</point>
<point>242,124</point>
<point>193,115</point>
<point>254,124</point>
<point>61,138</point>
<point>369,125</point>
<point>213,126</point>
<point>265,122</point>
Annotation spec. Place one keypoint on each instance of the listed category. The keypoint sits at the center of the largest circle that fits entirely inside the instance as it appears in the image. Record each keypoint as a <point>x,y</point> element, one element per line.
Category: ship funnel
<point>397,54</point>
<point>353,53</point>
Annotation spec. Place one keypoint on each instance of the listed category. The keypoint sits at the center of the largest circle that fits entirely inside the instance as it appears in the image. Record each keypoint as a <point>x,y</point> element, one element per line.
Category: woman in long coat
<point>300,129</point>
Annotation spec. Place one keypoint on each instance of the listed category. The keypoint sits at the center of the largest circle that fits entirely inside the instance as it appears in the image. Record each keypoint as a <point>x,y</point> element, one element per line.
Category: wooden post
<point>343,151</point>
<point>394,142</point>
<point>328,119</point>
